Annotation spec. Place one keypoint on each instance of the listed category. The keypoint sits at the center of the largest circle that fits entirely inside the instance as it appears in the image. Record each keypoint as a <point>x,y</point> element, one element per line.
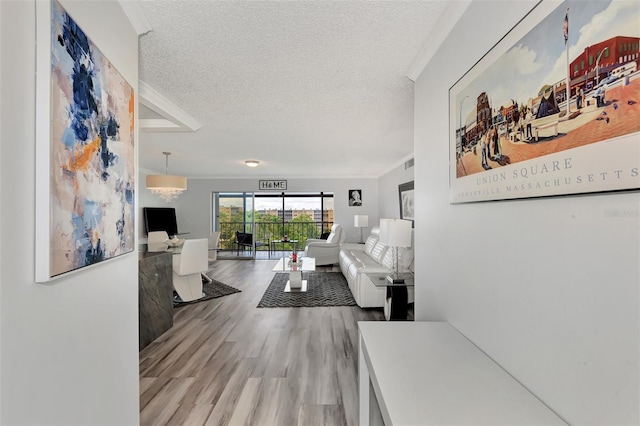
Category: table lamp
<point>361,221</point>
<point>395,233</point>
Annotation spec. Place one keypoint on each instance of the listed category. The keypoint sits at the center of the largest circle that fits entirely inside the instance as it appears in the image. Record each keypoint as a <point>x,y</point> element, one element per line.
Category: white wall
<point>546,287</point>
<point>69,349</point>
<point>388,185</point>
<point>193,208</point>
<point>2,35</point>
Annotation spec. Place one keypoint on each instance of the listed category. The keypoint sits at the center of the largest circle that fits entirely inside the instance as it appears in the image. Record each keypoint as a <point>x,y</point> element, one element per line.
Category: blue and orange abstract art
<point>92,152</point>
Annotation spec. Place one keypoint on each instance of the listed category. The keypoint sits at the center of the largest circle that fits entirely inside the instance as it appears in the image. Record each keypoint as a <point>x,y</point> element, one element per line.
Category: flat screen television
<point>160,219</point>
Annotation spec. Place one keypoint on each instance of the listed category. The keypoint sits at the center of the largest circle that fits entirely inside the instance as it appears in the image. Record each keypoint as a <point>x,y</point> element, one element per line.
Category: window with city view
<point>269,217</point>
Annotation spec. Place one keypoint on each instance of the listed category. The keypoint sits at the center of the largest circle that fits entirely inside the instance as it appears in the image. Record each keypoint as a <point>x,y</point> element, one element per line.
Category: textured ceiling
<point>308,88</point>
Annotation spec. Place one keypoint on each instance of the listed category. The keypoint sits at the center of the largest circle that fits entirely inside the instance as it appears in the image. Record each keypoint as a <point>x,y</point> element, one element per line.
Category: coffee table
<point>295,283</point>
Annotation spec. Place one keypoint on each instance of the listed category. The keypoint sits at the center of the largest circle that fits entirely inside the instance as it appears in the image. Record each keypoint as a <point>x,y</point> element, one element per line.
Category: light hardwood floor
<point>226,362</point>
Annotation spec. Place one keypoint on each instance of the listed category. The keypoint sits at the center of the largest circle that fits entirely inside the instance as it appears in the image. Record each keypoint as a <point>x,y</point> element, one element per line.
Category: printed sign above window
<point>272,184</point>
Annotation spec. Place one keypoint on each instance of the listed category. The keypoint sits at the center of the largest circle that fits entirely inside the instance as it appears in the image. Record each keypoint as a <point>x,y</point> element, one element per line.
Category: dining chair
<point>188,267</point>
<point>214,240</point>
<point>157,237</point>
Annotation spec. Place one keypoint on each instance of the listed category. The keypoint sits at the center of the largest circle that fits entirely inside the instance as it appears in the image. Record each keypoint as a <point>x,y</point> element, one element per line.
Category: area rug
<point>323,289</point>
<point>211,290</point>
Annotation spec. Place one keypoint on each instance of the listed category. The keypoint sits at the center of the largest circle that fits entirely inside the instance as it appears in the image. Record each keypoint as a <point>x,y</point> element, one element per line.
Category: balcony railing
<point>266,232</point>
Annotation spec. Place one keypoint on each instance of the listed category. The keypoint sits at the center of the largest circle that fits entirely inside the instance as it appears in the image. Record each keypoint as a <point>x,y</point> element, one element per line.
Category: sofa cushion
<point>372,239</point>
<point>378,252</point>
<point>353,271</point>
<point>370,244</point>
<point>405,258</point>
<point>360,259</point>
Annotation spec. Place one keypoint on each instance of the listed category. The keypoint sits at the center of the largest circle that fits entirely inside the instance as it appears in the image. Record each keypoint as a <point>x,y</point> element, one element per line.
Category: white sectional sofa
<point>326,252</point>
<point>373,256</point>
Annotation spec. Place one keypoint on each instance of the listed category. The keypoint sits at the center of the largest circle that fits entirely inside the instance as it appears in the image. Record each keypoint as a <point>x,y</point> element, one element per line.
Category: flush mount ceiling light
<point>252,163</point>
<point>166,186</point>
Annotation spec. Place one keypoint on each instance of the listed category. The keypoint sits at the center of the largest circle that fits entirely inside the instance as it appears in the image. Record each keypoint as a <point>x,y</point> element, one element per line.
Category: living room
<point>293,358</point>
<point>546,287</point>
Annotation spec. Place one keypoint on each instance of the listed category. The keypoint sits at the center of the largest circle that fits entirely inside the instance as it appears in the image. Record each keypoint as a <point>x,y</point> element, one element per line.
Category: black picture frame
<point>406,201</point>
<point>355,197</point>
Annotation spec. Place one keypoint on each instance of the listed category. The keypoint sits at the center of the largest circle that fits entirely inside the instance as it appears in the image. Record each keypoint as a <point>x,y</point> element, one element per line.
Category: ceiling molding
<point>175,118</point>
<point>158,125</point>
<point>450,16</point>
<point>136,16</point>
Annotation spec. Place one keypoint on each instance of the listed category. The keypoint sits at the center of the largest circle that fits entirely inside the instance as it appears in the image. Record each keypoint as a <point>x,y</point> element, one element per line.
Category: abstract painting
<point>553,108</point>
<point>90,150</point>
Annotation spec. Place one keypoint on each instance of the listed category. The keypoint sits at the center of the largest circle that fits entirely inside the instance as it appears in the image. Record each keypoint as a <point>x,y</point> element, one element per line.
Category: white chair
<point>157,237</point>
<point>326,252</point>
<point>188,268</point>
<point>157,241</point>
<point>214,239</point>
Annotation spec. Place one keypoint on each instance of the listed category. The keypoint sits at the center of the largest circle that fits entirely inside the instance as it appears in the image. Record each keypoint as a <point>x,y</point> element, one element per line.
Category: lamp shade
<point>361,221</point>
<point>395,232</point>
<point>166,187</point>
<point>166,181</point>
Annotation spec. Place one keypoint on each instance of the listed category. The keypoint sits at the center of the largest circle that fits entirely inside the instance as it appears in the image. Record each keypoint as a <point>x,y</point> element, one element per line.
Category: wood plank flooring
<point>226,362</point>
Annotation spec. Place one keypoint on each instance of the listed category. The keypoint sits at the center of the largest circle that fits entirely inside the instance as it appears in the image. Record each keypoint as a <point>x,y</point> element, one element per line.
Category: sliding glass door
<point>233,214</point>
<point>278,222</point>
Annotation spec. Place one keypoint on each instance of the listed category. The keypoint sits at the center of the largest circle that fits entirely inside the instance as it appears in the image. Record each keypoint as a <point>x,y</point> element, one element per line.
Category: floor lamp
<point>361,221</point>
<point>395,233</point>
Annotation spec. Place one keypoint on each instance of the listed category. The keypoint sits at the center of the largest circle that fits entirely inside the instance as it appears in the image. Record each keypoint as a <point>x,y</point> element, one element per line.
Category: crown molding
<point>175,118</point>
<point>136,16</point>
<point>441,30</point>
<point>158,125</point>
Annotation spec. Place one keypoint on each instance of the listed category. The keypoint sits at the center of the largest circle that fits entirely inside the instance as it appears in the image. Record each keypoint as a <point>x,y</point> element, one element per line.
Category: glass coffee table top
<point>303,264</point>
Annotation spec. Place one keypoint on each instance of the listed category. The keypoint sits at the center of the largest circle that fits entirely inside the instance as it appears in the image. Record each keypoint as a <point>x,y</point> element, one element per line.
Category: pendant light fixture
<point>166,186</point>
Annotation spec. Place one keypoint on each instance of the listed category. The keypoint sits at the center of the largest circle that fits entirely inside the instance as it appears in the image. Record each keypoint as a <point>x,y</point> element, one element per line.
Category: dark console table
<point>397,298</point>
<point>155,294</point>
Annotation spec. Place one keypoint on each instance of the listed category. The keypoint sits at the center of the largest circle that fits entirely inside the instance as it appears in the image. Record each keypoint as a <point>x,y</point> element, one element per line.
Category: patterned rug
<point>323,289</point>
<point>211,290</point>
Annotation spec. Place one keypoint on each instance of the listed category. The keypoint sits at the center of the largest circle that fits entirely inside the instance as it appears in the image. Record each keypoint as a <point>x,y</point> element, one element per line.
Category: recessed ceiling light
<point>252,163</point>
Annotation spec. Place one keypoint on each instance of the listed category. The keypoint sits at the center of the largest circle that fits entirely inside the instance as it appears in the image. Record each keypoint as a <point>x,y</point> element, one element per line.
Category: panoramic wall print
<point>91,152</point>
<point>513,133</point>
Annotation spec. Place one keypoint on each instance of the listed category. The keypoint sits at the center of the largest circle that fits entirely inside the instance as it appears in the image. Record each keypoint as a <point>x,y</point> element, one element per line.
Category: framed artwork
<point>553,108</point>
<point>406,192</point>
<point>85,160</point>
<point>355,197</point>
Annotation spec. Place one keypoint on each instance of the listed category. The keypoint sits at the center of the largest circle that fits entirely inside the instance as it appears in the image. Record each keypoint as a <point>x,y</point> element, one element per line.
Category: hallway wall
<point>69,347</point>
<point>548,288</point>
